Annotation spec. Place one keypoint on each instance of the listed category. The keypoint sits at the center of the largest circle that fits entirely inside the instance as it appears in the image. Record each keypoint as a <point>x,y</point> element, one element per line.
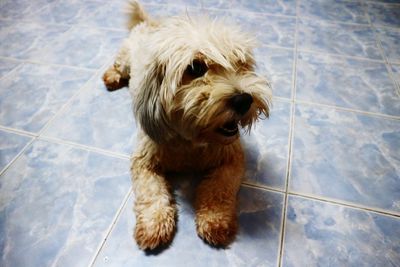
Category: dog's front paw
<point>216,228</point>
<point>113,79</point>
<point>156,228</point>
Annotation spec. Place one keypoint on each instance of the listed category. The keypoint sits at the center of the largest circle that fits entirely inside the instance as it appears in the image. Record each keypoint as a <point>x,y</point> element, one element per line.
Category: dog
<point>193,85</point>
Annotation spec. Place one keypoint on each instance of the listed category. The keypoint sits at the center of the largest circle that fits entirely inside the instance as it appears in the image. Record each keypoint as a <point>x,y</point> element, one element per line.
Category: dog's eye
<point>197,69</point>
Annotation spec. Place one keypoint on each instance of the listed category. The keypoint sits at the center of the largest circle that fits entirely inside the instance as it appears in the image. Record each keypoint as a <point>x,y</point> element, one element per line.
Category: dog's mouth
<point>228,129</point>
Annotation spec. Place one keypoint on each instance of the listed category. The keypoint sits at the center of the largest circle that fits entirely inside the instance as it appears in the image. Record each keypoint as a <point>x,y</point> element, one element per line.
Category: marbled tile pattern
<point>10,145</point>
<point>270,30</point>
<point>280,7</point>
<point>384,15</point>
<point>90,50</point>
<point>57,202</point>
<point>98,118</point>
<point>342,39</point>
<point>322,234</point>
<point>349,83</point>
<point>396,74</point>
<point>259,216</point>
<point>390,39</point>
<point>334,10</point>
<point>266,148</point>
<point>322,172</point>
<point>347,156</point>
<point>6,66</point>
<point>276,65</point>
<point>19,39</point>
<point>31,95</point>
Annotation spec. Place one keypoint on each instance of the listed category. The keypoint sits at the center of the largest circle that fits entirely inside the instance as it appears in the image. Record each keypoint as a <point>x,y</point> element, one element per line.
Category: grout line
<point>70,25</point>
<point>347,204</point>
<point>327,54</point>
<point>282,99</point>
<point>290,141</point>
<point>17,131</point>
<point>30,61</point>
<point>73,98</point>
<point>261,187</point>
<point>17,156</point>
<point>378,115</point>
<point>111,227</point>
<point>84,147</point>
<point>12,71</point>
<point>383,55</point>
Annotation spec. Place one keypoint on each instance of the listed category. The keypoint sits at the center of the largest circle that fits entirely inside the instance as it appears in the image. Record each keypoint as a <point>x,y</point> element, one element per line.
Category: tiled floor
<point>322,184</point>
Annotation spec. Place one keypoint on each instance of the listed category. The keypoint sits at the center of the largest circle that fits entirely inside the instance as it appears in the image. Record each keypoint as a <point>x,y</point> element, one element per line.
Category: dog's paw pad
<point>156,231</point>
<point>217,230</point>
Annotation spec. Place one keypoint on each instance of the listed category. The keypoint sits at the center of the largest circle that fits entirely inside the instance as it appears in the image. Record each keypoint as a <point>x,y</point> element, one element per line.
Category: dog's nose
<point>241,103</point>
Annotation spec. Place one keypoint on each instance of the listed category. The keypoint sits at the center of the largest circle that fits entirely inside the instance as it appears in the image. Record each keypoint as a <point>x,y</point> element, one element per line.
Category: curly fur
<point>180,118</point>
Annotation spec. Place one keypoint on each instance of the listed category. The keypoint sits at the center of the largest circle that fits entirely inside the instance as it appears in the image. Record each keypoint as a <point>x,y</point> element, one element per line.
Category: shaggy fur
<point>192,83</point>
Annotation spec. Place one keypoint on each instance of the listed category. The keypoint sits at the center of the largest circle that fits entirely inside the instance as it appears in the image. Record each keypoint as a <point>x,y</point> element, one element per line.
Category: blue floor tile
<point>90,50</point>
<point>279,7</point>
<point>322,234</point>
<point>18,40</point>
<point>346,156</point>
<point>343,39</point>
<point>390,39</point>
<point>334,10</point>
<point>384,14</point>
<point>57,205</point>
<point>269,30</point>
<point>277,65</point>
<point>256,245</point>
<point>98,118</point>
<point>349,83</point>
<point>31,95</point>
<point>10,145</point>
<point>6,66</point>
<point>266,148</point>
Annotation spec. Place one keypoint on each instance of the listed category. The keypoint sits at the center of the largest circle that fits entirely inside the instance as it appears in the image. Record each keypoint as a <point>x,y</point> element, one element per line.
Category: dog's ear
<point>148,105</point>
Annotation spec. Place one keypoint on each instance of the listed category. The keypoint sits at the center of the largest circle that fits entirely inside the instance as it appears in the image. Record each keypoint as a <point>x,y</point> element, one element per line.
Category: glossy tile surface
<point>6,66</point>
<point>259,219</point>
<point>350,83</point>
<point>269,30</point>
<point>322,178</point>
<point>334,10</point>
<point>322,234</point>
<point>277,65</point>
<point>266,148</point>
<point>390,40</point>
<point>90,50</point>
<point>384,14</point>
<point>342,39</point>
<point>10,145</point>
<point>31,95</point>
<point>98,118</point>
<point>57,203</point>
<point>347,156</point>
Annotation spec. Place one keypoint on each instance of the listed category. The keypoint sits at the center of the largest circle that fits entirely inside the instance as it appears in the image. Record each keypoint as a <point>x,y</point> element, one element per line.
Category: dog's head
<point>199,83</point>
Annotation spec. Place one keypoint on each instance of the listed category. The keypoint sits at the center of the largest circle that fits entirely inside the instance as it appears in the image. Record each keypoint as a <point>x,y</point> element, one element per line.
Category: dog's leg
<point>155,208</point>
<point>117,75</point>
<point>215,204</point>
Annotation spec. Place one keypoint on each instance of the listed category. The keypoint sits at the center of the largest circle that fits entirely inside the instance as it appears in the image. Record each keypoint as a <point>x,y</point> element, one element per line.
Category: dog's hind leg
<point>155,208</point>
<point>117,75</point>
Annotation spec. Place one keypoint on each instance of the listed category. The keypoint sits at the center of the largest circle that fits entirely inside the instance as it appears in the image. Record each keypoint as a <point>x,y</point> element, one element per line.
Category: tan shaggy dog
<point>193,84</point>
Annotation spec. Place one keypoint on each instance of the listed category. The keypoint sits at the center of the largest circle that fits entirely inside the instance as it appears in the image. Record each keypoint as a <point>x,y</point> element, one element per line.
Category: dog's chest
<point>180,159</point>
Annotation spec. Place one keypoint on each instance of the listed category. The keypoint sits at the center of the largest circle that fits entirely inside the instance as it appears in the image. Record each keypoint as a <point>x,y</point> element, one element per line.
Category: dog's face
<point>199,84</point>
